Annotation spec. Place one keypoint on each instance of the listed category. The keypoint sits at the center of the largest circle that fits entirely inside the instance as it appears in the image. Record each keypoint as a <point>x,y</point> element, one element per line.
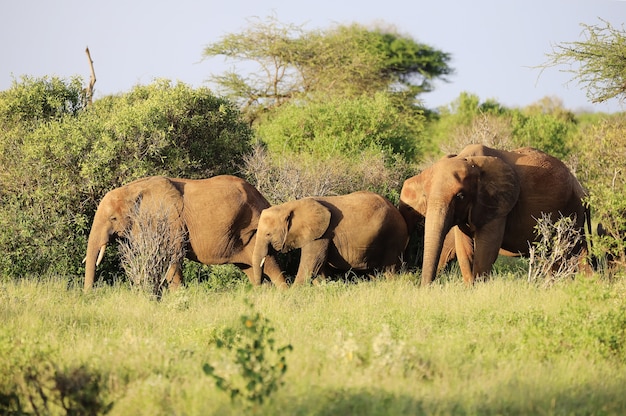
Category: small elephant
<point>219,215</point>
<point>489,200</point>
<point>359,231</point>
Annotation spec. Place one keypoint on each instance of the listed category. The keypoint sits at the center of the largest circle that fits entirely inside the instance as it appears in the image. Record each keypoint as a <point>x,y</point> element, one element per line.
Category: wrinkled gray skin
<point>219,214</point>
<point>360,231</point>
<point>484,200</point>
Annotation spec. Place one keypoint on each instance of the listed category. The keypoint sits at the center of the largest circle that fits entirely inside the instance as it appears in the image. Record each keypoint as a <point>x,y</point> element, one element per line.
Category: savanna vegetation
<point>311,117</point>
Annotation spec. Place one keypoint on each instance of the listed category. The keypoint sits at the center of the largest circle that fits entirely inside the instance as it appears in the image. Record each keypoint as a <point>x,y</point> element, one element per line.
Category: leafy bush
<point>601,168</point>
<point>546,132</point>
<point>344,127</point>
<point>544,125</point>
<point>260,365</point>
<point>59,158</point>
<point>33,383</point>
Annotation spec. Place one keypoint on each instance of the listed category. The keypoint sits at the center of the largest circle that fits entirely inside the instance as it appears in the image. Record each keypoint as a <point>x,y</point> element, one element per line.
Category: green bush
<point>544,125</point>
<point>601,169</point>
<point>260,365</point>
<point>344,127</point>
<point>59,158</point>
<point>547,132</point>
<point>336,147</point>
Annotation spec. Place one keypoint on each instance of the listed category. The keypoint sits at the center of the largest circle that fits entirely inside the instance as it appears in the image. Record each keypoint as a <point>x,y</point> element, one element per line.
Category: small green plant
<point>259,365</point>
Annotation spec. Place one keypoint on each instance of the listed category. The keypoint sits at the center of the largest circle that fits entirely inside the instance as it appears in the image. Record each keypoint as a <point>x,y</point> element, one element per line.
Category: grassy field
<point>385,347</point>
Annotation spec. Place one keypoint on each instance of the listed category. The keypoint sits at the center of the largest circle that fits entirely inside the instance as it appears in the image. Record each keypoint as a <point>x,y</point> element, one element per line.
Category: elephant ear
<point>309,220</point>
<point>415,191</point>
<point>498,189</point>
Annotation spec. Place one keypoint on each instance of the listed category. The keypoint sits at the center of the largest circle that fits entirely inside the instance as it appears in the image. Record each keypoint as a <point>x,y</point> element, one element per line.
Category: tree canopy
<point>598,63</point>
<point>288,62</point>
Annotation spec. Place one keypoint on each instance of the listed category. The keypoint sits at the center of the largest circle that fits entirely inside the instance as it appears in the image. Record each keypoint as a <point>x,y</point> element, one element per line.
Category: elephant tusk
<point>85,260</point>
<point>263,261</point>
<point>100,255</point>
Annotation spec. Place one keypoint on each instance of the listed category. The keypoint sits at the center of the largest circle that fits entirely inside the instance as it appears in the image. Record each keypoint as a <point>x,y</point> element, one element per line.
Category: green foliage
<point>336,147</point>
<point>35,385</point>
<point>344,127</point>
<point>414,65</point>
<point>601,149</point>
<point>260,364</point>
<point>452,127</point>
<point>291,64</point>
<point>544,125</point>
<point>216,278</point>
<point>59,159</point>
<point>381,347</point>
<point>597,63</point>
<point>31,101</point>
<point>546,132</point>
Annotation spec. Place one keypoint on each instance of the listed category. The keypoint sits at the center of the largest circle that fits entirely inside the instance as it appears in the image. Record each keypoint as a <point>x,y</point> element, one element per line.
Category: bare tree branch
<point>92,79</point>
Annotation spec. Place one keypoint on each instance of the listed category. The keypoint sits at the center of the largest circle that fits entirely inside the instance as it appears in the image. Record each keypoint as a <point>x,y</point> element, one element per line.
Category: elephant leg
<point>487,242</point>
<point>271,269</point>
<point>312,258</point>
<point>174,276</point>
<point>448,251</point>
<point>464,246</point>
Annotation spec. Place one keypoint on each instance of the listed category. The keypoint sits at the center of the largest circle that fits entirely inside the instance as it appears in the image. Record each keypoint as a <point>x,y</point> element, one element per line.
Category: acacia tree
<point>598,63</point>
<point>288,62</point>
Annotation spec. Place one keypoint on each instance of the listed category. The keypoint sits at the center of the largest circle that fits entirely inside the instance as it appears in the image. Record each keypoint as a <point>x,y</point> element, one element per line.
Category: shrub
<point>33,383</point>
<point>60,158</point>
<point>544,125</point>
<point>260,365</point>
<point>601,168</point>
<point>546,132</point>
<point>550,257</point>
<point>344,127</point>
<point>294,176</point>
<point>151,248</point>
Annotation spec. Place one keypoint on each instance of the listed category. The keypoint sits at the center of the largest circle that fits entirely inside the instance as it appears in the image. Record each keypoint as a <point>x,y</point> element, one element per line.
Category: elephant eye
<point>114,218</point>
<point>460,195</point>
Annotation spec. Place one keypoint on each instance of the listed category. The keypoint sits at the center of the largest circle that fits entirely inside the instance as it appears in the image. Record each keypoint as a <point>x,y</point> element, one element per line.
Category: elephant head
<point>113,217</point>
<point>474,193</point>
<point>287,227</point>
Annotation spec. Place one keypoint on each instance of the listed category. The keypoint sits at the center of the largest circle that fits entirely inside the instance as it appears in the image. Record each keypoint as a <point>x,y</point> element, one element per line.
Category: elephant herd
<point>473,206</point>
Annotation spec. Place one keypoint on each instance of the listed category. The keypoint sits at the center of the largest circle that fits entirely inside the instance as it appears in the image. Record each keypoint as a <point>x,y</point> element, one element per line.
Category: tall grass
<point>374,348</point>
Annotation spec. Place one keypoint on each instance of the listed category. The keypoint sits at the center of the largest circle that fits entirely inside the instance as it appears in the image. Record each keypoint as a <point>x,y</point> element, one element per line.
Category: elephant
<point>361,231</point>
<point>484,201</point>
<point>218,214</point>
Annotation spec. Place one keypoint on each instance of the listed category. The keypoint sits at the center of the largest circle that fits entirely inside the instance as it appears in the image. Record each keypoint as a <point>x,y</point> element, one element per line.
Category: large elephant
<point>485,200</point>
<point>219,215</point>
<point>359,231</point>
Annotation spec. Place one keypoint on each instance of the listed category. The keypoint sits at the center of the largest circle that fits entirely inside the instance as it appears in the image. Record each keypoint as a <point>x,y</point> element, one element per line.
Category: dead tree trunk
<point>92,80</point>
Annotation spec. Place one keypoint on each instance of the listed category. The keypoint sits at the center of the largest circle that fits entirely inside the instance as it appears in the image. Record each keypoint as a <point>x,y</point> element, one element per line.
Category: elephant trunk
<point>95,251</point>
<point>438,223</point>
<point>258,258</point>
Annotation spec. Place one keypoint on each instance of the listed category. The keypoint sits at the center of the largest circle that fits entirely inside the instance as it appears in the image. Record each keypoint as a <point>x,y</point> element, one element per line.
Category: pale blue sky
<point>494,43</point>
